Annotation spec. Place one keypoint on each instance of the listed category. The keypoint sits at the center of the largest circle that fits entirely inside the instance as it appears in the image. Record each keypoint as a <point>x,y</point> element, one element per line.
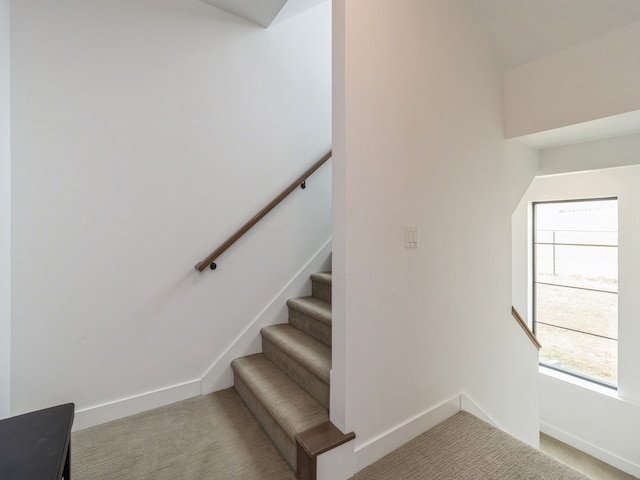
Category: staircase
<point>287,385</point>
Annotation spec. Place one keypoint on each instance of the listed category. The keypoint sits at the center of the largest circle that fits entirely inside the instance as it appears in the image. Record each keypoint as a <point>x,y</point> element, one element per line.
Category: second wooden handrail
<point>525,327</point>
<point>201,265</point>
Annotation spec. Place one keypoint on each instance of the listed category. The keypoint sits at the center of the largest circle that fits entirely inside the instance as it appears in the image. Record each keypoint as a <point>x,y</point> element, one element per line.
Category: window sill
<point>579,382</point>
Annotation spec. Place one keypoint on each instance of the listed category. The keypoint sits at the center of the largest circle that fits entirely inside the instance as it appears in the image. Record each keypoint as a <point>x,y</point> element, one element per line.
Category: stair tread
<point>322,277</point>
<point>304,349</point>
<point>313,307</point>
<point>291,407</point>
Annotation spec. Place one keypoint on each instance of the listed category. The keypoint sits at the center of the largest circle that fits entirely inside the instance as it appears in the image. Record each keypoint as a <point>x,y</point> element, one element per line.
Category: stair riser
<point>321,291</point>
<point>309,325</point>
<point>303,377</point>
<point>286,445</point>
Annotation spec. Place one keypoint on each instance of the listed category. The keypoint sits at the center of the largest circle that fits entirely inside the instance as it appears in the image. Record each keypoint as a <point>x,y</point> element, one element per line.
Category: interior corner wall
<point>423,146</point>
<point>143,135</point>
<point>5,212</point>
<point>592,80</point>
<point>605,426</point>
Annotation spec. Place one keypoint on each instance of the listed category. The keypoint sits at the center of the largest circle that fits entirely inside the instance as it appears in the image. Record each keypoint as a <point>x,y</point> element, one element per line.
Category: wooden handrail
<point>525,327</point>
<point>201,265</point>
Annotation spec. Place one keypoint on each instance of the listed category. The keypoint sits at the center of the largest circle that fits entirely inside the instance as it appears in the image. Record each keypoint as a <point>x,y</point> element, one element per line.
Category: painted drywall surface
<point>501,371</point>
<point>423,146</point>
<point>568,412</point>
<point>599,424</point>
<point>295,7</point>
<point>161,127</point>
<point>591,80</point>
<point>5,213</point>
<point>339,386</point>
<point>611,152</point>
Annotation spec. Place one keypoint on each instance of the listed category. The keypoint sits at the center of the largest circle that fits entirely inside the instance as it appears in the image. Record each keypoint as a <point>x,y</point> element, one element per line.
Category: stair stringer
<point>219,375</point>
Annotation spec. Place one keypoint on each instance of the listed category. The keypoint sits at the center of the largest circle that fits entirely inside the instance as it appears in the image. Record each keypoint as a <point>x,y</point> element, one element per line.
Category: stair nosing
<point>322,277</point>
<point>282,415</point>
<point>301,304</point>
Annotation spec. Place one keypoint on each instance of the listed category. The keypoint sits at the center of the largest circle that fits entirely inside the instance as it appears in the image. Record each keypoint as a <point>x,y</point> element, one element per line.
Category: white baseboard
<point>395,437</point>
<point>219,374</point>
<point>591,449</point>
<point>88,417</point>
<point>470,405</point>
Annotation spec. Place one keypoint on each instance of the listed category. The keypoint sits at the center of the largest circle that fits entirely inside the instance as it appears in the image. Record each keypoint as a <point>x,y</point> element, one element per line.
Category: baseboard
<point>219,375</point>
<point>88,417</point>
<point>470,405</point>
<point>591,449</point>
<point>394,438</point>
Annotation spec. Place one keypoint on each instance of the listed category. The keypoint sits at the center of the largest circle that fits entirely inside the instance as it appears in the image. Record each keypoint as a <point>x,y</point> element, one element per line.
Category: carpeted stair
<point>287,385</point>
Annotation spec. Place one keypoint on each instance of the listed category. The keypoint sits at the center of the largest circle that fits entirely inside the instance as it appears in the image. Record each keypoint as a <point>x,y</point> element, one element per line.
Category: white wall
<point>338,228</point>
<point>595,422</point>
<point>592,80</point>
<point>144,133</point>
<point>418,141</point>
<point>611,152</point>
<point>604,425</point>
<point>5,213</point>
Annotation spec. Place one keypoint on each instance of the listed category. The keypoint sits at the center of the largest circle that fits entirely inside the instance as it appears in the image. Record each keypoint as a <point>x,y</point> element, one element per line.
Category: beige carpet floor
<point>466,448</point>
<point>590,466</point>
<point>215,437</point>
<point>210,437</point>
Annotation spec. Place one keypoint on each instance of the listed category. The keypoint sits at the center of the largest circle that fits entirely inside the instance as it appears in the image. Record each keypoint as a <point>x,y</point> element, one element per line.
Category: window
<point>575,287</point>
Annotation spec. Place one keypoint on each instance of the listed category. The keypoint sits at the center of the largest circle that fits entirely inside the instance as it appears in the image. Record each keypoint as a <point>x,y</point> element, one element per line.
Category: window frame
<point>534,283</point>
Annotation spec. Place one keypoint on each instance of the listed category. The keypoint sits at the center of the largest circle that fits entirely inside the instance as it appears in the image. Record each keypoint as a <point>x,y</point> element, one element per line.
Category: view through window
<point>576,287</point>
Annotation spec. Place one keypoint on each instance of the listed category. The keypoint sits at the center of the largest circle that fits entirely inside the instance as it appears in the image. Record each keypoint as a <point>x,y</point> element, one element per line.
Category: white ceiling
<point>264,12</point>
<point>261,12</point>
<point>521,31</point>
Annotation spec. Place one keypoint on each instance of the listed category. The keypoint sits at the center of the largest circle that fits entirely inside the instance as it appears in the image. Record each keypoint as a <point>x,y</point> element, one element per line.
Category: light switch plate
<point>411,237</point>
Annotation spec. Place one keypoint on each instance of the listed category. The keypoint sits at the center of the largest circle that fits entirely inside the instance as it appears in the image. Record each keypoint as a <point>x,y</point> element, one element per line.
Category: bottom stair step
<point>282,408</point>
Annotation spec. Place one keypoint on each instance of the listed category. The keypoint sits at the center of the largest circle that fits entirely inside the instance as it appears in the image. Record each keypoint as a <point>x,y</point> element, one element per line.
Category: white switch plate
<point>411,237</point>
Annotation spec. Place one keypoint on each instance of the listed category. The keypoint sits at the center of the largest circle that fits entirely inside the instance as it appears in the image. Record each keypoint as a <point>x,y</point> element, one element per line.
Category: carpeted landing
<point>210,437</point>
<point>466,448</point>
<point>216,437</point>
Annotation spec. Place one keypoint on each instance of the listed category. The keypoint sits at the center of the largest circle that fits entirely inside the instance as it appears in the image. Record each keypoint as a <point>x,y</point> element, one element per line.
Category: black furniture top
<point>36,445</point>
